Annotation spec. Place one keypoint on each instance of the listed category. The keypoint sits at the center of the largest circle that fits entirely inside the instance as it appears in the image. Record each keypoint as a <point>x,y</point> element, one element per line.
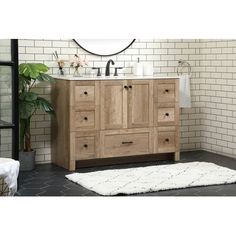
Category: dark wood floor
<point>49,180</point>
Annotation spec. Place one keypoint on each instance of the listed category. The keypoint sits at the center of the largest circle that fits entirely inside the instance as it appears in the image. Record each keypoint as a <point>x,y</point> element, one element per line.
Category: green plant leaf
<point>44,105</point>
<point>26,109</point>
<point>32,70</point>
<point>24,80</point>
<point>28,96</point>
<point>45,77</point>
<point>41,67</point>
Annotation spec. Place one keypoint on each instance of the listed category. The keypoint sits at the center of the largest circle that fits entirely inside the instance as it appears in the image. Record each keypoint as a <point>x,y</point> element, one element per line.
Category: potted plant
<point>29,102</point>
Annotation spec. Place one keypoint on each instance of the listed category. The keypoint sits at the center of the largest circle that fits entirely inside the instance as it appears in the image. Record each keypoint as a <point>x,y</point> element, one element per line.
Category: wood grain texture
<point>126,142</point>
<point>164,140</point>
<point>140,103</point>
<point>86,145</point>
<point>82,93</point>
<point>60,126</point>
<point>113,104</point>
<point>105,119</point>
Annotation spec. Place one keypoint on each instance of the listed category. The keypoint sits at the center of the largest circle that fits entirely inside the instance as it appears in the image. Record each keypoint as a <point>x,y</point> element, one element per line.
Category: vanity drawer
<point>85,148</point>
<point>84,93</point>
<point>85,119</point>
<point>165,140</point>
<point>164,92</point>
<point>164,115</point>
<point>85,145</point>
<point>125,144</point>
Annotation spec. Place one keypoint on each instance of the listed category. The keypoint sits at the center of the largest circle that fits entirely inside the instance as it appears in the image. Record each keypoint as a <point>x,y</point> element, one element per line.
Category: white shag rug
<point>154,178</point>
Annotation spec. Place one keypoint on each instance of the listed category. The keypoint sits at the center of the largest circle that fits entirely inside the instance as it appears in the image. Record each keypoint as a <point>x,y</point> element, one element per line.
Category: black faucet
<point>107,73</point>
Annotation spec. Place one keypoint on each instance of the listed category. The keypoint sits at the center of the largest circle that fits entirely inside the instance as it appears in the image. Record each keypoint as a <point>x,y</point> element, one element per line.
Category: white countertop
<point>127,77</point>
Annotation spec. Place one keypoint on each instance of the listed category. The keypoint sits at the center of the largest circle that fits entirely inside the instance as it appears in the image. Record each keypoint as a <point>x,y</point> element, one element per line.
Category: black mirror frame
<point>104,55</point>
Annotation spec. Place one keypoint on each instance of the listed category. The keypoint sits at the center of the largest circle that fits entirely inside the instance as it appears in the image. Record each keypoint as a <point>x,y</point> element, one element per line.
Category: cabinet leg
<point>177,156</point>
<point>72,166</point>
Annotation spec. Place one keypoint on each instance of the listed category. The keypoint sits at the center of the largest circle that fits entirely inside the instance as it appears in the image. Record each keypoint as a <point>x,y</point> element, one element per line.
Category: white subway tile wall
<point>218,96</point>
<point>209,124</point>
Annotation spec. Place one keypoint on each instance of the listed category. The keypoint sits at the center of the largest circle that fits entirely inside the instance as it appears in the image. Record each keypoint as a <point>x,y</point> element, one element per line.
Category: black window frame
<point>14,125</point>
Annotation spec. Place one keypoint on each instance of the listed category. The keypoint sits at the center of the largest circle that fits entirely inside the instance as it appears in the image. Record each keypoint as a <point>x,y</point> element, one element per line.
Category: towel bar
<point>181,65</point>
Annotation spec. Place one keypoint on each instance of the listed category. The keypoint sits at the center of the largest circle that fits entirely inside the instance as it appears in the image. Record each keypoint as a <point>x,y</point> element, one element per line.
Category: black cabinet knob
<point>130,86</point>
<point>167,140</point>
<point>85,145</point>
<point>85,118</point>
<point>167,114</point>
<point>85,92</point>
<point>126,87</point>
<point>167,90</point>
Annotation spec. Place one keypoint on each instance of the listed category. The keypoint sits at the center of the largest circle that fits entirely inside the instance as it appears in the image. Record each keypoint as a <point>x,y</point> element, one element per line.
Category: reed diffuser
<point>60,63</point>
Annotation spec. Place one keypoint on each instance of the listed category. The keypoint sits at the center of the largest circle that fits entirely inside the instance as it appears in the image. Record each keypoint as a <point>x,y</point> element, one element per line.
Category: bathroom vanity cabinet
<point>105,118</point>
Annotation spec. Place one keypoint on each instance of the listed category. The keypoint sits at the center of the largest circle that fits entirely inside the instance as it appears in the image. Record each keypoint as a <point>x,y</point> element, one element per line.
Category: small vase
<point>77,73</point>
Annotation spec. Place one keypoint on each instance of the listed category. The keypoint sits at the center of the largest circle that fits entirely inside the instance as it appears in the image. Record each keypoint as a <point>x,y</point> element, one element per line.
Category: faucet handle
<point>116,68</point>
<point>99,70</point>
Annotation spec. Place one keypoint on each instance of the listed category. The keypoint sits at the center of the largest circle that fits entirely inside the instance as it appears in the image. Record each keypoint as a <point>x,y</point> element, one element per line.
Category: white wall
<point>218,96</point>
<point>209,124</point>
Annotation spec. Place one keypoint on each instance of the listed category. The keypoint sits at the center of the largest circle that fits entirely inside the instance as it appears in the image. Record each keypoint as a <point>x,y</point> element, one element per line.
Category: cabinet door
<point>113,104</point>
<point>140,103</point>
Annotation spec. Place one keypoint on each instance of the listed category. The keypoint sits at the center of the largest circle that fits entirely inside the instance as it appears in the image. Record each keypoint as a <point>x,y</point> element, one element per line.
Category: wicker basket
<point>4,190</point>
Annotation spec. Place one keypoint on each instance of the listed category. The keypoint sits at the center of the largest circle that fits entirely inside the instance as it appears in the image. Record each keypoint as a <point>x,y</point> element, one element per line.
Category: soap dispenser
<point>138,68</point>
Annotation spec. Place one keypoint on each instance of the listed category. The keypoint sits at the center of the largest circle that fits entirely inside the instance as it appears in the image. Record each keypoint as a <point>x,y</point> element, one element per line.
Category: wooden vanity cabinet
<point>166,116</point>
<point>76,125</point>
<point>112,118</point>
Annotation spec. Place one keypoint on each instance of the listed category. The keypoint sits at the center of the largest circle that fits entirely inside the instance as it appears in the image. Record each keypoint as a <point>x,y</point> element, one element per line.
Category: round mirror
<point>104,47</point>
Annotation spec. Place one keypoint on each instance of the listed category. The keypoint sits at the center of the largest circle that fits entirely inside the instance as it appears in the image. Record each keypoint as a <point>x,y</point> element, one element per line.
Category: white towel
<point>184,91</point>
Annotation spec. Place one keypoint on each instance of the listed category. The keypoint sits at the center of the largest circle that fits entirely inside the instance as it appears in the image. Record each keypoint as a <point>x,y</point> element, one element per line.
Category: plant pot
<point>27,160</point>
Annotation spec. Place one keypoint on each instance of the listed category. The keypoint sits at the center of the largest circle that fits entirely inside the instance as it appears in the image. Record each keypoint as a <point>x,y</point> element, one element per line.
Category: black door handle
<point>127,142</point>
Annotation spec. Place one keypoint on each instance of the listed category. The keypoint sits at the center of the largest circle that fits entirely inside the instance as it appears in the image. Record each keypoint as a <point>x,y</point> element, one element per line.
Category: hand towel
<point>184,91</point>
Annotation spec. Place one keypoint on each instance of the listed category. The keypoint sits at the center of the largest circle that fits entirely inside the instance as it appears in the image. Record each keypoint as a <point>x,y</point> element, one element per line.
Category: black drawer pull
<point>130,86</point>
<point>167,140</point>
<point>85,145</point>
<point>85,118</point>
<point>126,87</point>
<point>129,142</point>
<point>167,114</point>
<point>85,92</point>
<point>167,90</point>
